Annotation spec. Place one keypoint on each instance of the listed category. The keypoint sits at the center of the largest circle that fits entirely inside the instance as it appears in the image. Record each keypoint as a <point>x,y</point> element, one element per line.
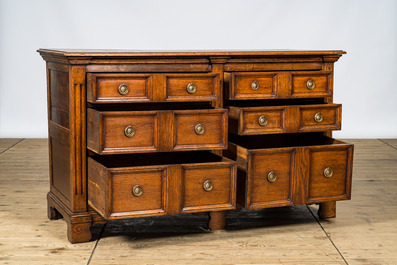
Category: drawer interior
<point>282,140</point>
<point>154,159</point>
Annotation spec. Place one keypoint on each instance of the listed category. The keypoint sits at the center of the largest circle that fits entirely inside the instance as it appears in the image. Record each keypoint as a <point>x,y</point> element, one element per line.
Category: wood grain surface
<point>364,232</point>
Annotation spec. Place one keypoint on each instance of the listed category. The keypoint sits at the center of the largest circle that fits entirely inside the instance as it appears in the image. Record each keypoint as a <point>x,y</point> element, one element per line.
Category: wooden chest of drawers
<point>134,134</point>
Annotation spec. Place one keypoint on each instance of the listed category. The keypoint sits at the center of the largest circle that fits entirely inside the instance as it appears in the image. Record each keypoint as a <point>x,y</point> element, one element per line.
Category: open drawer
<point>281,170</point>
<point>295,117</point>
<point>156,128</point>
<point>124,186</point>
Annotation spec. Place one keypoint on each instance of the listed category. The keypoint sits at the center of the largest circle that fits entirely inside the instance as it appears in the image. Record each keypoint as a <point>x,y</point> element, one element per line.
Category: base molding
<point>78,224</point>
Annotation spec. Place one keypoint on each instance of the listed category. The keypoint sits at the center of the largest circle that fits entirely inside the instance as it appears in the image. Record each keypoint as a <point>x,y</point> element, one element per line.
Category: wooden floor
<point>364,232</point>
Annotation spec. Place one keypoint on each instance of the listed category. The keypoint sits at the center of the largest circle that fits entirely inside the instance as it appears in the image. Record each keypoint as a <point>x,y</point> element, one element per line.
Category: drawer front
<point>320,117</point>
<point>268,85</point>
<point>107,88</point>
<point>122,132</point>
<point>311,85</point>
<point>142,132</point>
<point>284,119</point>
<point>269,121</point>
<point>208,187</point>
<point>253,85</point>
<point>303,174</point>
<point>206,129</point>
<point>192,87</point>
<point>164,183</point>
<point>112,132</point>
<point>330,174</point>
<point>257,120</point>
<point>138,193</point>
<point>269,181</point>
<point>126,192</point>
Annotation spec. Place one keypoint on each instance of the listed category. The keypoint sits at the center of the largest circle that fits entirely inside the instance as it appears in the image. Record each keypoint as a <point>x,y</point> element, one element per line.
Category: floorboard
<point>364,231</point>
<point>6,143</point>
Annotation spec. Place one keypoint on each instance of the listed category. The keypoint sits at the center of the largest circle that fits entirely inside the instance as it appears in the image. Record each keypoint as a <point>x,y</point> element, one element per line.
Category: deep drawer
<point>111,132</point>
<point>284,119</point>
<point>280,170</point>
<point>156,184</point>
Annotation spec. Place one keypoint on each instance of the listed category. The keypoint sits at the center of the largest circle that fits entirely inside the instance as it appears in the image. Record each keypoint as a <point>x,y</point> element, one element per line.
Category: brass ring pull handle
<point>199,129</point>
<point>129,131</point>
<point>328,172</point>
<point>318,117</point>
<point>255,85</point>
<point>262,120</point>
<point>310,84</point>
<point>191,88</point>
<point>207,185</point>
<point>123,89</point>
<point>137,191</point>
<point>272,176</point>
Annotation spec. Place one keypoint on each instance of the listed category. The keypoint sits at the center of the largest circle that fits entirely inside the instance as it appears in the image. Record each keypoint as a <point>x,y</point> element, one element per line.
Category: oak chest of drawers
<point>134,134</point>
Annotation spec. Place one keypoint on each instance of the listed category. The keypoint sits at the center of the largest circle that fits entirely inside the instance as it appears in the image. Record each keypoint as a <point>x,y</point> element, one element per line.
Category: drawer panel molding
<point>310,171</point>
<point>273,85</point>
<point>284,119</point>
<point>119,189</point>
<point>112,132</point>
<point>152,87</point>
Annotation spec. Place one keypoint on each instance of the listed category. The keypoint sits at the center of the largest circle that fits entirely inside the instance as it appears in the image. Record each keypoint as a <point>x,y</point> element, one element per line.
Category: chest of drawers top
<point>117,76</point>
<point>199,59</point>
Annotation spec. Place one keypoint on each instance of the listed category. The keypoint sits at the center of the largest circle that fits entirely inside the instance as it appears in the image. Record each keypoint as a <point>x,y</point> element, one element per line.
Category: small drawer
<point>122,131</point>
<point>284,119</point>
<point>311,85</point>
<point>108,88</point>
<point>257,120</point>
<point>280,170</point>
<point>320,117</point>
<point>192,87</point>
<point>206,129</point>
<point>157,184</point>
<point>253,86</point>
<point>160,130</point>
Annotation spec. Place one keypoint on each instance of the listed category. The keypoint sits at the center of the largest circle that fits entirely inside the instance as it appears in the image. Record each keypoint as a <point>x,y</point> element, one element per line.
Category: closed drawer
<point>108,88</point>
<point>284,119</point>
<point>280,170</point>
<point>192,87</point>
<point>156,184</point>
<point>283,85</point>
<point>112,132</point>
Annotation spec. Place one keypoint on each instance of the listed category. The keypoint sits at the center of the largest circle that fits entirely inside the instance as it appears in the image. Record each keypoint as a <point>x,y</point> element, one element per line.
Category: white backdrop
<point>364,78</point>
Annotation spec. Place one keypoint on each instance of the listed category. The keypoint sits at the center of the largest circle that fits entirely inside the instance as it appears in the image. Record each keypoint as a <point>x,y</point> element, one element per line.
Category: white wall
<point>364,78</point>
